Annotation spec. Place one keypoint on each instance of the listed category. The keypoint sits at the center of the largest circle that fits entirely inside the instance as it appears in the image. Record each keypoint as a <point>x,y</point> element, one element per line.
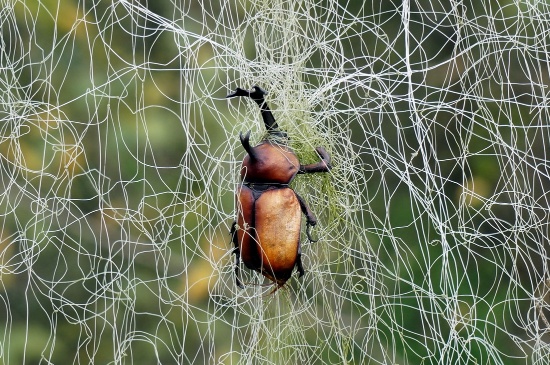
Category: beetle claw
<point>238,92</point>
<point>308,233</point>
<point>256,93</point>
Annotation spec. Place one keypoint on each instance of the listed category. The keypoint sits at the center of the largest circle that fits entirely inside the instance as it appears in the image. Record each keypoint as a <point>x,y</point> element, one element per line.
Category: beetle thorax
<point>270,163</point>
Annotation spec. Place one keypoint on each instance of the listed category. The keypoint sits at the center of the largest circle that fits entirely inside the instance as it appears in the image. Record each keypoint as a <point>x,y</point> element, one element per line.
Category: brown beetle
<point>266,234</point>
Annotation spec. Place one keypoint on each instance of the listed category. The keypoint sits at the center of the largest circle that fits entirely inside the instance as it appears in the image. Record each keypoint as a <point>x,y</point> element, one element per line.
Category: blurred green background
<point>119,157</point>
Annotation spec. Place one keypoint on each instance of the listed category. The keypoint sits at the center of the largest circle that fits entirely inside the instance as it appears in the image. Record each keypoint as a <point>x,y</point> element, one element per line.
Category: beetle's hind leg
<point>237,253</point>
<point>299,261</point>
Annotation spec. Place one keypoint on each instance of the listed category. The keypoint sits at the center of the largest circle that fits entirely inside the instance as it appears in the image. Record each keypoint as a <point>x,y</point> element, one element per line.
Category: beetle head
<point>277,136</point>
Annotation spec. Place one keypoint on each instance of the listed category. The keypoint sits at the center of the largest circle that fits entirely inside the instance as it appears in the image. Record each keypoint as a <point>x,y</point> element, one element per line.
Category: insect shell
<point>266,233</point>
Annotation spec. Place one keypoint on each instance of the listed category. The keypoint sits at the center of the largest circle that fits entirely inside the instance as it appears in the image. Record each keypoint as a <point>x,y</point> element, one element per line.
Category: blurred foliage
<point>95,109</point>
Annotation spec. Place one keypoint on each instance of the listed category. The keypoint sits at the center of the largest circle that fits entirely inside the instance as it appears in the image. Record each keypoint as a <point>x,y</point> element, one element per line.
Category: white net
<point>119,160</point>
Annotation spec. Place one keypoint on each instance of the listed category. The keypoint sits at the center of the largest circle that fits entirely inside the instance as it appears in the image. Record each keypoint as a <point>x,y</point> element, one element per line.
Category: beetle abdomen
<point>278,218</point>
<point>269,231</point>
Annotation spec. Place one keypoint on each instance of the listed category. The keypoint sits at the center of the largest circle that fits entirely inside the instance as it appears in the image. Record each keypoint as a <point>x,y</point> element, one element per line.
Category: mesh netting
<point>120,157</point>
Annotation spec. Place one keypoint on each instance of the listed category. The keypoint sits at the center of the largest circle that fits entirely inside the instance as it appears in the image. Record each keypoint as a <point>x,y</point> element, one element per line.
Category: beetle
<point>266,232</point>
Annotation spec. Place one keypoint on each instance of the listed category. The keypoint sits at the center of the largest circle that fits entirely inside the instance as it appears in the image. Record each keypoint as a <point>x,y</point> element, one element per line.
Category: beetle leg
<point>257,94</point>
<point>238,92</point>
<point>237,253</point>
<point>308,233</point>
<point>299,261</point>
<point>321,166</point>
<point>310,217</point>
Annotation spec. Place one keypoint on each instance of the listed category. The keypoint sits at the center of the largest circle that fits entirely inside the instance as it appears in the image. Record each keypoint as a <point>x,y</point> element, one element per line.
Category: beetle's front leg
<point>258,95</point>
<point>237,253</point>
<point>321,166</point>
<point>310,217</point>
